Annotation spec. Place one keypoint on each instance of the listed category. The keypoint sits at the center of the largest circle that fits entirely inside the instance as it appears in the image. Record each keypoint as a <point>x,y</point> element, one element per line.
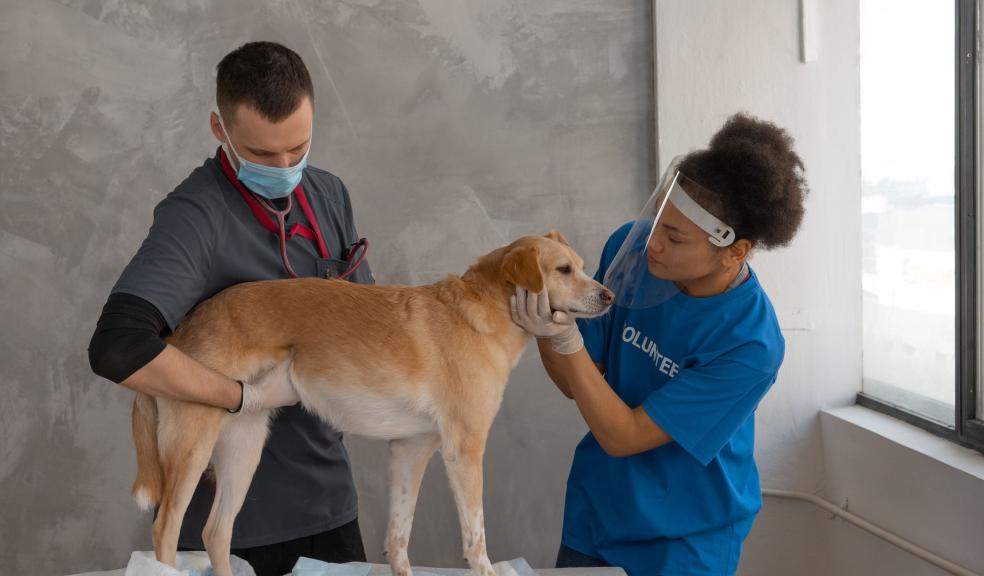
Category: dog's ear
<point>521,265</point>
<point>557,236</point>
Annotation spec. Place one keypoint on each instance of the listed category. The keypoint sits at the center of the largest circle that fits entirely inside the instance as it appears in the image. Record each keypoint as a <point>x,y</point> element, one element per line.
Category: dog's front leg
<point>463,459</point>
<point>408,461</point>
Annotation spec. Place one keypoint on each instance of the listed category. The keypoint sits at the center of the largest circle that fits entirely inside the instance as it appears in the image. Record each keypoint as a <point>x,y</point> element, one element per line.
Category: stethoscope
<point>347,256</point>
<point>262,209</point>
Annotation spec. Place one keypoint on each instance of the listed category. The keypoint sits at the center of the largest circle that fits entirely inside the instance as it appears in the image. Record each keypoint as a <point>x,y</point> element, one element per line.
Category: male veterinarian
<point>254,211</point>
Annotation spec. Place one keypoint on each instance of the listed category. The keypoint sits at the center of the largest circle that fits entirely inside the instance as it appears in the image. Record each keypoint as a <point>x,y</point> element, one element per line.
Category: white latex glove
<point>531,311</point>
<point>271,389</point>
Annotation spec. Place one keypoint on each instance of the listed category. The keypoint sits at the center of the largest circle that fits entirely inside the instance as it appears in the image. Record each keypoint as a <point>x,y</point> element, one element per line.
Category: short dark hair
<point>758,179</point>
<point>266,76</point>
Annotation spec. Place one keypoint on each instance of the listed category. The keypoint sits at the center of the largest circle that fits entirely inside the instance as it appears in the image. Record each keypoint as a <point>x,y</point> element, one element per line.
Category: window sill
<point>910,437</point>
<point>906,480</point>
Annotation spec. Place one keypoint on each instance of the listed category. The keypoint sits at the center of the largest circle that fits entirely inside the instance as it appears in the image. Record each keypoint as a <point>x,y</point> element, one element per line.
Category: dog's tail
<point>148,486</point>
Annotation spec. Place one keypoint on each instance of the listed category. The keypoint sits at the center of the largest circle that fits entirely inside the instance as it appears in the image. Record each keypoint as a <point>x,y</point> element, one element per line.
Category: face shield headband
<point>628,275</point>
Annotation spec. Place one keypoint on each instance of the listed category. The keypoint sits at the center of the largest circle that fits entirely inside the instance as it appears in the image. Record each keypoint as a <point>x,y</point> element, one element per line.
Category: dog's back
<point>333,326</point>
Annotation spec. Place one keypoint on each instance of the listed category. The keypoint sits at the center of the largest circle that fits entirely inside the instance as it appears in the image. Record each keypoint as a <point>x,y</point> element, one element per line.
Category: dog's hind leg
<point>463,448</point>
<point>234,460</point>
<point>186,435</point>
<point>408,462</point>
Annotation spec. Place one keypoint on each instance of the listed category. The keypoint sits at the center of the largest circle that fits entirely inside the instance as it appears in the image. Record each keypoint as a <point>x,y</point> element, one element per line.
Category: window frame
<point>968,427</point>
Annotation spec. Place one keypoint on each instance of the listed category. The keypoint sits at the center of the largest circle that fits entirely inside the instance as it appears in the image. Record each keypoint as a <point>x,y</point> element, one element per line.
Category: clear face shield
<point>629,275</point>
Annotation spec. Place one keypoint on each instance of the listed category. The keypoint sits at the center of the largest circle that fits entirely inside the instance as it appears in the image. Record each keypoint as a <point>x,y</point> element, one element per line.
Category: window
<point>920,284</point>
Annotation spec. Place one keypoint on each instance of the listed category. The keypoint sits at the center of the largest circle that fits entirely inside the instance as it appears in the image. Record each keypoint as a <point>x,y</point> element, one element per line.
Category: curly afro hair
<point>757,177</point>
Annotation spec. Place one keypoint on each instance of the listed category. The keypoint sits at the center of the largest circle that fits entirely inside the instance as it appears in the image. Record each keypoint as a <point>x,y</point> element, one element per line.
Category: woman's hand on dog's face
<point>531,311</point>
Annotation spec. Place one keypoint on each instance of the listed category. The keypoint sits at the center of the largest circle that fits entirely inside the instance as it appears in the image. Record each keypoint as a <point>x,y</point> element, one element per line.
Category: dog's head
<point>548,262</point>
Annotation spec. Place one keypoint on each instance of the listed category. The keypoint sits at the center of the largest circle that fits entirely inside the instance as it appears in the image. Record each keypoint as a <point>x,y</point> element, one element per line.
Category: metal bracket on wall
<point>809,21</point>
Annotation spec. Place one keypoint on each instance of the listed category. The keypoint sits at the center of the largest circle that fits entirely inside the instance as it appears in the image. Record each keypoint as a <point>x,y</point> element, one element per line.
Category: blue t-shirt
<point>699,367</point>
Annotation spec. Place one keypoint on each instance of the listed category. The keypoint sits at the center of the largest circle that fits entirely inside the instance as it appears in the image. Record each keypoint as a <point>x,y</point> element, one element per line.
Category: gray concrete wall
<point>455,124</point>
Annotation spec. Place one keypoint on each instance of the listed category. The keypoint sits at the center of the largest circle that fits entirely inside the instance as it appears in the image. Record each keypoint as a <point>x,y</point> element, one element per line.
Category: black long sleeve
<point>128,335</point>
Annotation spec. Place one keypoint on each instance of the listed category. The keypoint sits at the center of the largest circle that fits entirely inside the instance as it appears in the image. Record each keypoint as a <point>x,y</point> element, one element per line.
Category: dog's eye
<point>565,269</point>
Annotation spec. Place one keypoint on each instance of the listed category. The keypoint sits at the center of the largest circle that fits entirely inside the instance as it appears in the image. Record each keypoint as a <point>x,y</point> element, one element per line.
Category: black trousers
<point>343,544</point>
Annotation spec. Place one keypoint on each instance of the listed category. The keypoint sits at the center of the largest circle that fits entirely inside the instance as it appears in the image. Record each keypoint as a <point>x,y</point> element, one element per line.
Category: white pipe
<point>902,543</point>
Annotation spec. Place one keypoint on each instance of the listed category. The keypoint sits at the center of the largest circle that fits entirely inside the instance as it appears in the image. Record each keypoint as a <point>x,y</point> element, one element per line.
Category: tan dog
<point>424,367</point>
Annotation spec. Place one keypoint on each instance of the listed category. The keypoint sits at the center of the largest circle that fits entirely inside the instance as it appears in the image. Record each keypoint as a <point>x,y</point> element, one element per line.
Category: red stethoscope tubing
<point>313,233</point>
<point>353,266</point>
<point>281,215</point>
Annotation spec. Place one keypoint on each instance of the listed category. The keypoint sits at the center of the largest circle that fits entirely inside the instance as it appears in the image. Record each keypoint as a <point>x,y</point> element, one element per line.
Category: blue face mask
<point>267,181</point>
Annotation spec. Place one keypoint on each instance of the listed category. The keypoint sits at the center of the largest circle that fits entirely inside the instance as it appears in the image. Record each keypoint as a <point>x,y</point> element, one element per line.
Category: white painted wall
<point>717,57</point>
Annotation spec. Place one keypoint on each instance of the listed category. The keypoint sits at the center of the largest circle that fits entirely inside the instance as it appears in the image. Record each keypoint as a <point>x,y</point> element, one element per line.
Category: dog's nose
<point>607,296</point>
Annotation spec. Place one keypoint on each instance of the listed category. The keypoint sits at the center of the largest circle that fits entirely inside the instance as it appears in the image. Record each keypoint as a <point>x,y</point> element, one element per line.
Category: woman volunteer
<point>669,379</point>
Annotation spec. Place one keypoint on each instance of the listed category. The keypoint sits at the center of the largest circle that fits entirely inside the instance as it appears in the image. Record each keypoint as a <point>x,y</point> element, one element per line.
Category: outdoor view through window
<point>907,204</point>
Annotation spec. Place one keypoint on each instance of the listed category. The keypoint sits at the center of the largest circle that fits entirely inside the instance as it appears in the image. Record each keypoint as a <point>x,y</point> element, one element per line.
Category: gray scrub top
<point>205,238</point>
